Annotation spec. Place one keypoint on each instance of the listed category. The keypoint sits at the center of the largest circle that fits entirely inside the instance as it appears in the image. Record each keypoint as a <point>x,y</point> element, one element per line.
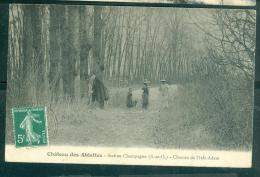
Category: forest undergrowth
<point>193,120</point>
<point>196,118</point>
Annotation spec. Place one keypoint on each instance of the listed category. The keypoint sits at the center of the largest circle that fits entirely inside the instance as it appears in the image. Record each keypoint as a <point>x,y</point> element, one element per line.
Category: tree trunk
<point>55,51</point>
<point>98,61</point>
<point>84,52</point>
<point>27,58</point>
<point>70,51</point>
<point>38,51</point>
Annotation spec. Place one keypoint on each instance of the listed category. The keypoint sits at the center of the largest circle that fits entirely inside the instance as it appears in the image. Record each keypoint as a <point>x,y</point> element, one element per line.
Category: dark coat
<point>129,100</point>
<point>100,92</point>
<point>145,97</point>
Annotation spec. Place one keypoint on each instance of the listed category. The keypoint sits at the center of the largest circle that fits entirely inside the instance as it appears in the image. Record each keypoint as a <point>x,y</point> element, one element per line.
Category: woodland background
<point>206,55</point>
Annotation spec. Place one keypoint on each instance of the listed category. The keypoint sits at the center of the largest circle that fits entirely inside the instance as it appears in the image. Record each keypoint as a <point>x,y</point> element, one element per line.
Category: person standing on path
<point>98,91</point>
<point>145,96</point>
<point>164,94</point>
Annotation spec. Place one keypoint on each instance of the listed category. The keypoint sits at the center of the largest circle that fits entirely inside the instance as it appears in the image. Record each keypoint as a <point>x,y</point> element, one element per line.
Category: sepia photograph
<point>157,78</point>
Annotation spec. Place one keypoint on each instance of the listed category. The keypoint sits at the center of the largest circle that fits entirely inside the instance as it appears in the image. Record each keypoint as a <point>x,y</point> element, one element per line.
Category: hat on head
<point>146,81</point>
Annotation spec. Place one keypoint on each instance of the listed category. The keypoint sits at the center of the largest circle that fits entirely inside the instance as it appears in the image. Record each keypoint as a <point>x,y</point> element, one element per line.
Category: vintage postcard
<point>130,85</point>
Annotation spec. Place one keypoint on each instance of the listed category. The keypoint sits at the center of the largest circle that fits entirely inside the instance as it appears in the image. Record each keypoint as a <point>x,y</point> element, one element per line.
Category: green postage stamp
<point>30,126</point>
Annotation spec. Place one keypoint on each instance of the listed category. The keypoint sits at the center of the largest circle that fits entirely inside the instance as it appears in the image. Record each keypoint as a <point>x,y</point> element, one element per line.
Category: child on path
<point>164,94</point>
<point>145,96</point>
<point>129,99</point>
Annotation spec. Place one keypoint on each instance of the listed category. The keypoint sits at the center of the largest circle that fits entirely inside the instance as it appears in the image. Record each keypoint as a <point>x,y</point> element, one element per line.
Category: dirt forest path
<point>125,127</point>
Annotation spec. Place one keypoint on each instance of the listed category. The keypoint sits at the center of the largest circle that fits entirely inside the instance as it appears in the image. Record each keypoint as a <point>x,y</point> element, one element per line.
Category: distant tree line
<point>54,48</point>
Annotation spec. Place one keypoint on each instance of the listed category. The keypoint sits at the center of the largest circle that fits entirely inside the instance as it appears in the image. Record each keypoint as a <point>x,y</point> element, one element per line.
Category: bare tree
<point>236,44</point>
<point>70,52</point>
<point>85,47</point>
<point>55,51</point>
<point>98,61</point>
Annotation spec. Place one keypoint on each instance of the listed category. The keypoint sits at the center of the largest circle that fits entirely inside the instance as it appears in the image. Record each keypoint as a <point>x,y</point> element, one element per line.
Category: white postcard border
<point>129,156</point>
